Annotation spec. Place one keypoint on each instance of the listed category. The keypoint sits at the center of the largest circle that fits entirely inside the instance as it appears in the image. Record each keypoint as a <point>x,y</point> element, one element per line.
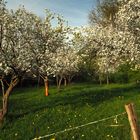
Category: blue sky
<point>74,11</point>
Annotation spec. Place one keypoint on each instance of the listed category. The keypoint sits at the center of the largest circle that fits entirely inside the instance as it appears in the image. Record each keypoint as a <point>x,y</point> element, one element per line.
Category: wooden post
<point>46,86</point>
<point>132,117</point>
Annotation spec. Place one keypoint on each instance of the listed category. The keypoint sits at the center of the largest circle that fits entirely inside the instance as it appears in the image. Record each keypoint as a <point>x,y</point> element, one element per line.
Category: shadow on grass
<point>77,98</point>
<point>92,96</point>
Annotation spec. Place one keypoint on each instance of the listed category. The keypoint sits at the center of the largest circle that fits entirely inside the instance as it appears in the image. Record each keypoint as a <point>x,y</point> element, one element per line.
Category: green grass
<point>31,114</point>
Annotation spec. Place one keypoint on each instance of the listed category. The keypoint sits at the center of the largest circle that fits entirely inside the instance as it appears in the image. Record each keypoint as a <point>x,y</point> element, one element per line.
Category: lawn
<point>31,114</point>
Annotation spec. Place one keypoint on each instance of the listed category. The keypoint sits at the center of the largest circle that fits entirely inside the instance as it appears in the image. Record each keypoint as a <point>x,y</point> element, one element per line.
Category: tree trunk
<point>65,82</point>
<point>4,109</point>
<point>38,81</point>
<point>59,83</point>
<point>46,86</point>
<point>57,80</point>
<point>5,99</point>
<point>107,79</point>
<point>69,79</point>
<point>100,81</point>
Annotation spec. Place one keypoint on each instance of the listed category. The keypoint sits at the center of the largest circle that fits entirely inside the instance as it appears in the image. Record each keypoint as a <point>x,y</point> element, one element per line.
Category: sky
<point>74,11</point>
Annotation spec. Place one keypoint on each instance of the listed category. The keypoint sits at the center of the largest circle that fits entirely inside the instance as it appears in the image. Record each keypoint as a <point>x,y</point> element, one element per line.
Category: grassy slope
<point>31,114</point>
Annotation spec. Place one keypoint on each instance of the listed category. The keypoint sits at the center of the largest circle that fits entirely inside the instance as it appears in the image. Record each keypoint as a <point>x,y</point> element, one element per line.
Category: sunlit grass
<point>31,114</point>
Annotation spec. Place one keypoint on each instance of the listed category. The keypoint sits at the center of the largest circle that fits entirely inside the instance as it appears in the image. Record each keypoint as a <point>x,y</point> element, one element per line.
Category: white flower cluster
<point>112,46</point>
<point>31,44</point>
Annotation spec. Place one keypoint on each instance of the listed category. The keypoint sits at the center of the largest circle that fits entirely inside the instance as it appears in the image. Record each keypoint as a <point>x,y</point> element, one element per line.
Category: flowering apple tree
<point>67,61</point>
<point>128,27</point>
<point>16,33</point>
<point>119,44</point>
<point>48,40</point>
